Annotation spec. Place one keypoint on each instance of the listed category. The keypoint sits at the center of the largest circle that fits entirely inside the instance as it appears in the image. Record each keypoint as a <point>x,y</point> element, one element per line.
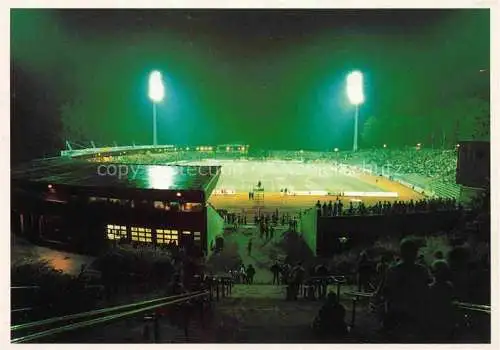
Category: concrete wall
<point>366,229</point>
<point>309,228</point>
<point>215,227</point>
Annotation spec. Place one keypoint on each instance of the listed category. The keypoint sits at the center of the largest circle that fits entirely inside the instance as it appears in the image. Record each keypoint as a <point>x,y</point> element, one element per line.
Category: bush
<point>225,260</point>
<point>126,267</point>
<point>56,293</point>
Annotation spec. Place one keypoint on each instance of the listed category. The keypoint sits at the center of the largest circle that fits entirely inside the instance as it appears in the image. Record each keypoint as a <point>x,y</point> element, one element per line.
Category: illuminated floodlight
<point>419,144</point>
<point>385,146</point>
<point>187,148</point>
<point>356,97</point>
<point>243,148</point>
<point>336,149</point>
<point>227,148</point>
<point>160,177</point>
<point>156,88</point>
<point>355,88</point>
<point>210,148</point>
<point>178,194</point>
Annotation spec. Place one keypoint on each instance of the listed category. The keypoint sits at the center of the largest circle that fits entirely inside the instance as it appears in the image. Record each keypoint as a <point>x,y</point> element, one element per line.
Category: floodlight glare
<point>156,93</point>
<point>156,88</point>
<point>355,88</point>
<point>356,97</point>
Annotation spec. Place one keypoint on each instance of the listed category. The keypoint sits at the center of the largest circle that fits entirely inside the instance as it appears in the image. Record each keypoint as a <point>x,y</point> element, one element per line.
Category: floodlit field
<point>243,176</point>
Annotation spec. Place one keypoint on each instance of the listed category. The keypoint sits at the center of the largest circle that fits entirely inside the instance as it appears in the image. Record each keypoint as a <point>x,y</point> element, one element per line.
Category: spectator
<point>440,319</point>
<point>321,271</point>
<point>275,269</point>
<point>250,274</point>
<point>330,322</point>
<point>296,280</point>
<point>405,292</point>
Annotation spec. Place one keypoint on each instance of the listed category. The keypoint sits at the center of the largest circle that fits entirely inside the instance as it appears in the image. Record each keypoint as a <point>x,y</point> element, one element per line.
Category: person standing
<point>249,247</point>
<point>297,278</point>
<point>330,209</point>
<point>275,269</point>
<point>250,274</point>
<point>243,274</point>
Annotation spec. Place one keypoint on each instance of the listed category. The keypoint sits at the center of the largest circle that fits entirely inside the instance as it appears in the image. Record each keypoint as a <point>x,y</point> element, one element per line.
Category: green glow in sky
<point>274,85</point>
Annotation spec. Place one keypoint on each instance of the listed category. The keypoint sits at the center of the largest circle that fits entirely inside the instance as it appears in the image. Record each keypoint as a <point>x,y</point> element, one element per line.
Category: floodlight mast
<point>356,97</point>
<point>156,94</point>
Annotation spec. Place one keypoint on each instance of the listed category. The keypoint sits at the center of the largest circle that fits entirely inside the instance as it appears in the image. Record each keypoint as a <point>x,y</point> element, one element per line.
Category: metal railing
<point>22,310</point>
<point>485,309</point>
<point>215,287</point>
<point>316,287</point>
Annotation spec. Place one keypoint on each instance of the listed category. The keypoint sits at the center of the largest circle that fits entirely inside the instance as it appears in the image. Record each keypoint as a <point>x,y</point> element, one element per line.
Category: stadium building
<point>87,205</point>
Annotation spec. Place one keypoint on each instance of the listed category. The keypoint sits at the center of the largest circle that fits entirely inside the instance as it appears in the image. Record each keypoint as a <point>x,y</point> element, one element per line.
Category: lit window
<point>116,232</point>
<point>141,234</point>
<point>192,207</point>
<point>186,232</point>
<point>167,236</point>
<point>159,205</point>
<point>197,236</point>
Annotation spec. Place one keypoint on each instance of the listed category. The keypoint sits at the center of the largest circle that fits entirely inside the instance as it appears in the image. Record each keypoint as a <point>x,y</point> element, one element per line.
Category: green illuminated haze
<point>273,80</point>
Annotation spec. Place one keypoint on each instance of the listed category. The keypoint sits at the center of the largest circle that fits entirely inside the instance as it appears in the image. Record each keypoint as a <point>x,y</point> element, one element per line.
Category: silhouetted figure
<point>243,274</point>
<point>285,273</point>
<point>321,271</point>
<point>275,269</point>
<point>405,292</point>
<point>341,208</point>
<point>330,208</point>
<point>250,274</point>
<point>382,268</point>
<point>297,276</point>
<point>249,247</point>
<point>330,323</point>
<point>440,317</point>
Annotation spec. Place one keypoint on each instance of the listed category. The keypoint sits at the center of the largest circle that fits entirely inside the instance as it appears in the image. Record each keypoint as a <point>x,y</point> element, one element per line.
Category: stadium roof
<point>81,173</point>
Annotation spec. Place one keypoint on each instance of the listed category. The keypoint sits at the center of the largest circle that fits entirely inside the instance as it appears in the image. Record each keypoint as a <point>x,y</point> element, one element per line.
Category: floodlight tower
<point>356,97</point>
<point>156,94</point>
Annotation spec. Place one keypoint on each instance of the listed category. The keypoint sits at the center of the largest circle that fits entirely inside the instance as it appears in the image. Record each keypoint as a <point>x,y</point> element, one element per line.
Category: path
<point>262,253</point>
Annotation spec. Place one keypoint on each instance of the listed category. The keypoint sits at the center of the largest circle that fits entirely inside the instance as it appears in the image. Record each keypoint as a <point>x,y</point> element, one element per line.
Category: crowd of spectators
<point>434,164</point>
<point>437,165</point>
<point>337,208</point>
<point>414,298</point>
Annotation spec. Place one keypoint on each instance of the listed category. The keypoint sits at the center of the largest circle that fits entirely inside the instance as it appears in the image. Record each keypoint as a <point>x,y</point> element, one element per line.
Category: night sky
<point>268,78</point>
